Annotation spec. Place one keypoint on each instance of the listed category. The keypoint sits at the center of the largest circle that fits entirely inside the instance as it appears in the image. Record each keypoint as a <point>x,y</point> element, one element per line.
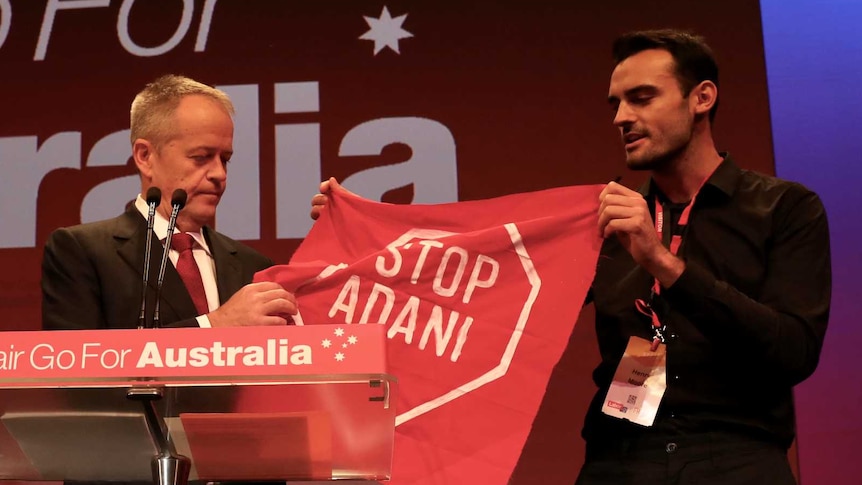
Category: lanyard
<point>675,239</point>
<point>645,307</point>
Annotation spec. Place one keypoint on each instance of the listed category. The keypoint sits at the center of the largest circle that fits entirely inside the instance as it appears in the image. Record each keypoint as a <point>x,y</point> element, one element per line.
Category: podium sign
<point>257,403</point>
<point>80,356</point>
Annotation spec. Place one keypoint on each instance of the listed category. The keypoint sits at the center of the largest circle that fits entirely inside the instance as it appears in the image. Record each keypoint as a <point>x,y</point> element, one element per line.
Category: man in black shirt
<point>715,280</point>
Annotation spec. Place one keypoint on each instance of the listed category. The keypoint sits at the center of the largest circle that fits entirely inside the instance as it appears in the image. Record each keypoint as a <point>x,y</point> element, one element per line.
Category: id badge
<point>639,383</point>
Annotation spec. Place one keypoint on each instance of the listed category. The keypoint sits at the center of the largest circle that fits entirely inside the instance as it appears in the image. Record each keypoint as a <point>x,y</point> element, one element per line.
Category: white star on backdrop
<point>385,31</point>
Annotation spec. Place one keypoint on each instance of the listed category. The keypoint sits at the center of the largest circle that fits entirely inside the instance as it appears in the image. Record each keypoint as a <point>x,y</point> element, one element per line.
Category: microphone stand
<point>154,197</point>
<point>178,201</point>
<point>168,467</point>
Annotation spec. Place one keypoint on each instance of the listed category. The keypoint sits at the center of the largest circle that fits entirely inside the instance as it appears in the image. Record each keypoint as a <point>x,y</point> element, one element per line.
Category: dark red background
<point>521,85</point>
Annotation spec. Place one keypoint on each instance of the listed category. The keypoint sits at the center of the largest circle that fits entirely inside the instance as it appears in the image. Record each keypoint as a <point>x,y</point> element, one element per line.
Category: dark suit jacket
<point>91,275</point>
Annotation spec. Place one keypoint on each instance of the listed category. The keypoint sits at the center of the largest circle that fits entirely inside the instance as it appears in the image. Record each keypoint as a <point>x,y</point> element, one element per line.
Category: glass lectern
<point>171,405</point>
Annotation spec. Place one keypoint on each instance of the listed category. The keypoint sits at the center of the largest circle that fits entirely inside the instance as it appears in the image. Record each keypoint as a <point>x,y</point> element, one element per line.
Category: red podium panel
<point>300,402</point>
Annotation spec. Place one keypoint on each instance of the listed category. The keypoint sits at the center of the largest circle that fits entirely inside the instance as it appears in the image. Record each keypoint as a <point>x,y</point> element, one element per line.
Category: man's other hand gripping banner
<point>478,299</point>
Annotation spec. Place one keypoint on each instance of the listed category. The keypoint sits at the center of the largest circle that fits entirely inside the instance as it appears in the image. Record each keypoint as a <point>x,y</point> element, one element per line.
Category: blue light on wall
<point>814,68</point>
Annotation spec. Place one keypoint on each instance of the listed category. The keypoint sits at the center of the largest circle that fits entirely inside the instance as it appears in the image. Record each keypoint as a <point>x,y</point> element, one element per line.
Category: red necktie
<point>187,267</point>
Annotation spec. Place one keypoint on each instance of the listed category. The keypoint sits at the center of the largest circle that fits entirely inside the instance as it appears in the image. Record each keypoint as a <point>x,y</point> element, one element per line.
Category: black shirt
<point>745,320</point>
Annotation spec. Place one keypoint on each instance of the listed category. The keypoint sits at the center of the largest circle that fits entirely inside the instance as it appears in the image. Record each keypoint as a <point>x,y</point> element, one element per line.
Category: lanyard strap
<point>645,307</point>
<point>675,239</point>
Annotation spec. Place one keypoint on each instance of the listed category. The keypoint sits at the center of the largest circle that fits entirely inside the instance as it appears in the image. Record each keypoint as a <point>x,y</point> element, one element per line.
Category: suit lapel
<point>129,236</point>
<point>228,268</point>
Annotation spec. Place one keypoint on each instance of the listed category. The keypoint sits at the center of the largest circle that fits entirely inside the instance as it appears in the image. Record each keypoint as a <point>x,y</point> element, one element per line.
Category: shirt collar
<point>724,179</point>
<point>160,225</point>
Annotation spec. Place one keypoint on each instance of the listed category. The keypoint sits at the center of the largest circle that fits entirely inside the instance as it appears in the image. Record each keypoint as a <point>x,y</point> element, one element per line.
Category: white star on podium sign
<point>385,31</point>
<point>341,340</point>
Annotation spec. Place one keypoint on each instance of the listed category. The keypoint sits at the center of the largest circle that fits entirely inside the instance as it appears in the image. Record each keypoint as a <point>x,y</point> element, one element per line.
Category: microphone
<point>154,197</point>
<point>178,201</point>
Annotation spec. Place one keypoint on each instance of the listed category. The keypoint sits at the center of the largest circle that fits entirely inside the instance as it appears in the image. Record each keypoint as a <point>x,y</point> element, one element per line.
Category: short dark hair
<point>694,60</point>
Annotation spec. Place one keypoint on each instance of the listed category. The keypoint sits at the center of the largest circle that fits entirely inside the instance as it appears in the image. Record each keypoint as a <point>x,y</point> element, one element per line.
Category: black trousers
<point>693,459</point>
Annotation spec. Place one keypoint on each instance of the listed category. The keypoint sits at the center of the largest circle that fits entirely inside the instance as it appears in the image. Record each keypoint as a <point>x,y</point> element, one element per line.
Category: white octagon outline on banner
<point>503,367</point>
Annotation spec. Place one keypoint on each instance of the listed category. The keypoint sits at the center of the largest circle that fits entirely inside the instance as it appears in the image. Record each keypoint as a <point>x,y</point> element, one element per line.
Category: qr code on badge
<point>632,399</point>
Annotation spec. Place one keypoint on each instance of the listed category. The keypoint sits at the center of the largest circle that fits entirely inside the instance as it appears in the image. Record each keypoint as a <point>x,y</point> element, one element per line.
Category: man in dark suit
<point>182,138</point>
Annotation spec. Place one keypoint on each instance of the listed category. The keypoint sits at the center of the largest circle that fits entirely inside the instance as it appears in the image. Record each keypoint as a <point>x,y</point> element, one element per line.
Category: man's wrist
<point>666,268</point>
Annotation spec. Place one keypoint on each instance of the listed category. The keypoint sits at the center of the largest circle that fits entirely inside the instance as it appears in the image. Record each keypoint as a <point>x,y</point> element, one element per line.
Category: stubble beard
<point>653,160</point>
<point>647,161</point>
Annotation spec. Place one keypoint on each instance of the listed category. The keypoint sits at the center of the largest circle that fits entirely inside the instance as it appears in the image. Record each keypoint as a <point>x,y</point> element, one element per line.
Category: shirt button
<point>673,336</point>
<point>671,447</point>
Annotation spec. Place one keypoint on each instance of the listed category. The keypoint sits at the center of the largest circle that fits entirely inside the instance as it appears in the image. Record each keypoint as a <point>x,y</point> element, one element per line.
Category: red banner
<point>478,300</point>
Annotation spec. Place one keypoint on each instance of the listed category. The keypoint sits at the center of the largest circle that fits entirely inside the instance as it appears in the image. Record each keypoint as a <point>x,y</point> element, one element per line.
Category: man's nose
<point>624,115</point>
<point>218,171</point>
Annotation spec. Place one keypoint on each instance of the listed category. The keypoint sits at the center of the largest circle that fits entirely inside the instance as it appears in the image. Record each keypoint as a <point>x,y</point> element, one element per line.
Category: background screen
<point>427,101</point>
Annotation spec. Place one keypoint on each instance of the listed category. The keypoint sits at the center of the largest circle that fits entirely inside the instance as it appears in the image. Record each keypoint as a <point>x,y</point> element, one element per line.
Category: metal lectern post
<point>169,467</point>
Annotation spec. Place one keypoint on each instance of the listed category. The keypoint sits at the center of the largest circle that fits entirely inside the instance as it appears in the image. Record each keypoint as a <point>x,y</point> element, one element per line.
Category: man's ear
<point>143,152</point>
<point>704,96</point>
